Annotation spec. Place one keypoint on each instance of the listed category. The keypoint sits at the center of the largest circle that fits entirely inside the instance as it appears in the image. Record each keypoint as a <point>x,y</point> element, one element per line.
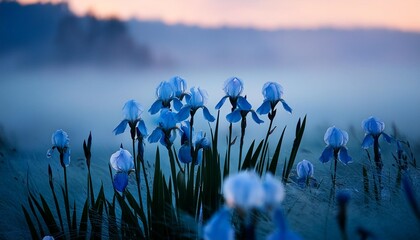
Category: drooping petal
<point>244,104</point>
<point>184,153</point>
<point>207,115</point>
<point>286,106</point>
<point>177,104</point>
<point>256,118</point>
<point>367,141</point>
<point>387,137</point>
<point>66,157</point>
<point>183,114</point>
<point>219,226</point>
<point>234,116</point>
<point>221,102</point>
<point>327,154</point>
<point>142,128</point>
<point>264,108</point>
<point>120,181</point>
<point>344,156</point>
<point>155,136</point>
<point>156,106</point>
<point>273,191</point>
<point>121,127</point>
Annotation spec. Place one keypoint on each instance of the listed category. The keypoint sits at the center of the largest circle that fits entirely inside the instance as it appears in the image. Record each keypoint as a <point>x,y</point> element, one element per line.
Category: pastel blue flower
<point>60,141</point>
<point>373,129</point>
<point>304,169</point>
<point>195,100</point>
<point>273,93</point>
<point>244,107</point>
<point>165,94</point>
<point>243,190</point>
<point>179,87</point>
<point>273,191</point>
<point>132,111</point>
<point>219,226</point>
<point>122,161</point>
<point>233,88</point>
<point>282,231</point>
<point>166,131</point>
<point>336,139</point>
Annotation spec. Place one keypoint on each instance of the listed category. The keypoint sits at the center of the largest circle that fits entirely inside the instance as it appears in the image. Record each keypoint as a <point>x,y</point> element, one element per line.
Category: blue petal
<point>285,106</point>
<point>219,226</point>
<point>368,141</point>
<point>142,128</point>
<point>344,156</point>
<point>221,102</point>
<point>244,104</point>
<point>177,104</point>
<point>183,114</point>
<point>155,136</point>
<point>120,181</point>
<point>121,127</point>
<point>234,116</point>
<point>264,108</point>
<point>387,137</point>
<point>326,154</point>
<point>156,106</point>
<point>184,154</point>
<point>256,118</point>
<point>207,115</point>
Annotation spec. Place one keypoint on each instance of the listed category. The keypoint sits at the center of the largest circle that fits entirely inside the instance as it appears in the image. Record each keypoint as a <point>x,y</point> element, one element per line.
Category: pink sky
<point>266,14</point>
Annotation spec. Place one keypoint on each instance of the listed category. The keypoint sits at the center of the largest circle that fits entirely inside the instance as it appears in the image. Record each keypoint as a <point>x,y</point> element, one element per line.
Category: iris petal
<point>156,106</point>
<point>286,106</point>
<point>219,226</point>
<point>183,114</point>
<point>207,115</point>
<point>244,104</point>
<point>387,137</point>
<point>121,127</point>
<point>120,181</point>
<point>256,118</point>
<point>177,104</point>
<point>344,156</point>
<point>326,154</point>
<point>184,154</point>
<point>155,136</point>
<point>367,141</point>
<point>221,102</point>
<point>264,108</point>
<point>142,128</point>
<point>234,116</point>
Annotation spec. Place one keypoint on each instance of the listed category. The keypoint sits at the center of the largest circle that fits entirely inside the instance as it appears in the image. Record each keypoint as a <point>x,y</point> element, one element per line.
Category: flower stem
<point>241,145</point>
<point>265,149</point>
<point>66,199</point>
<point>377,153</point>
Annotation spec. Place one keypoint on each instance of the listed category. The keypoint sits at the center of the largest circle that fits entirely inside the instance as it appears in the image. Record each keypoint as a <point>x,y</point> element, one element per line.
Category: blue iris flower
<point>244,107</point>
<point>233,88</point>
<point>132,111</point>
<point>219,226</point>
<point>179,86</point>
<point>336,139</point>
<point>373,129</point>
<point>166,93</point>
<point>122,161</point>
<point>60,141</point>
<point>195,100</point>
<point>166,131</point>
<point>273,94</point>
<point>305,170</point>
<point>200,142</point>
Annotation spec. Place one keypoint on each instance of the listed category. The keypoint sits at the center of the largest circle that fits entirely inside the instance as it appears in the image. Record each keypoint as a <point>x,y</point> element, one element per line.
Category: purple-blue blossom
<point>273,94</point>
<point>374,128</point>
<point>336,140</point>
<point>132,111</point>
<point>60,141</point>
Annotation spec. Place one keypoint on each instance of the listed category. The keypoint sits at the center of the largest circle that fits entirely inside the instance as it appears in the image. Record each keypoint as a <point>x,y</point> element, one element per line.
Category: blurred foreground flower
<point>219,226</point>
<point>60,141</point>
<point>336,140</point>
<point>282,231</point>
<point>122,162</point>
<point>273,93</point>
<point>132,111</point>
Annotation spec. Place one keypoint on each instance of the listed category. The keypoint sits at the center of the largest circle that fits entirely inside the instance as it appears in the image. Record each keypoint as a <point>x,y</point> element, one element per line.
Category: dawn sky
<point>266,14</point>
